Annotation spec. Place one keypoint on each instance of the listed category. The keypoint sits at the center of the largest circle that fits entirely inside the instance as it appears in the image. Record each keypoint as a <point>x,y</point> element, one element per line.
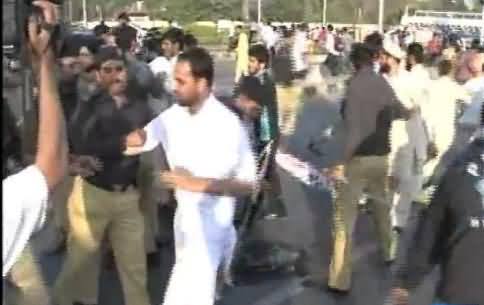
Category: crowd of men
<point>146,136</point>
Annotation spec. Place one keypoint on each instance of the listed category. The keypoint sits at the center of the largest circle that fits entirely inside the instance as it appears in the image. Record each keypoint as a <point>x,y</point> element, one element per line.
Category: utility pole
<point>70,11</point>
<point>84,12</point>
<point>381,15</point>
<point>325,11</point>
<point>259,11</point>
<point>482,23</point>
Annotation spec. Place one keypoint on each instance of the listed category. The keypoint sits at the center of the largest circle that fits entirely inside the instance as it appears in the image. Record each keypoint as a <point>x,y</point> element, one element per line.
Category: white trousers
<point>406,192</point>
<point>201,246</point>
<point>410,183</point>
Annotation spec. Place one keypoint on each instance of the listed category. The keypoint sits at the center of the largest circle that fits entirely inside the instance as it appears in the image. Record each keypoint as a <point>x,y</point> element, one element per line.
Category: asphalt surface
<point>307,227</point>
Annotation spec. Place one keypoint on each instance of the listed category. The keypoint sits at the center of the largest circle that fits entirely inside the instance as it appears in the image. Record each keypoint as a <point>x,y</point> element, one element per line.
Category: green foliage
<point>206,35</point>
<point>339,11</point>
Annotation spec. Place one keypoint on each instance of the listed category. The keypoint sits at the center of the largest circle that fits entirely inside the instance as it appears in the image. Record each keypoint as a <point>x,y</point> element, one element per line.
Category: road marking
<point>281,294</point>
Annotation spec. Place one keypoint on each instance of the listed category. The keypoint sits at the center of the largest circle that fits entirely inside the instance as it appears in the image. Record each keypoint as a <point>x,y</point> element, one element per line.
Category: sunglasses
<point>71,65</point>
<point>111,69</point>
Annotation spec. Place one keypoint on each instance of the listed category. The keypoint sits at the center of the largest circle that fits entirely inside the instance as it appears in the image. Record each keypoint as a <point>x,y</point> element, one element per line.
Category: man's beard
<point>385,69</point>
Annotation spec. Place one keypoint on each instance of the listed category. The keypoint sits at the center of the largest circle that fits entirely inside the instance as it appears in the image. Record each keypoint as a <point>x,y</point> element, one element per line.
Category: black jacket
<point>368,111</point>
<point>451,234</point>
<point>100,129</point>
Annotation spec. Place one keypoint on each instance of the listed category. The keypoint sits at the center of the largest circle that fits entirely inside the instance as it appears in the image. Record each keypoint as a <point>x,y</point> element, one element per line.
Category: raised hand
<point>40,31</point>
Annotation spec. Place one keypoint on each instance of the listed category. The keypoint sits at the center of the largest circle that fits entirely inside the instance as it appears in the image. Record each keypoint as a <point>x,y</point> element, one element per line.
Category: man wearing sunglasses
<point>106,203</point>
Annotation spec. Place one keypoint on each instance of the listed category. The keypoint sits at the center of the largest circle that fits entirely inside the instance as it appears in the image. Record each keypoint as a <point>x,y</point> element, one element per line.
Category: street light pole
<point>259,11</point>
<point>70,11</point>
<point>325,10</point>
<point>381,10</point>
<point>482,24</point>
<point>84,12</point>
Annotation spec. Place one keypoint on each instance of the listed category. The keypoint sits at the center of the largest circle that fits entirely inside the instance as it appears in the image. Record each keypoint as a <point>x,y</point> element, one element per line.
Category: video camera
<point>15,16</point>
<point>18,80</point>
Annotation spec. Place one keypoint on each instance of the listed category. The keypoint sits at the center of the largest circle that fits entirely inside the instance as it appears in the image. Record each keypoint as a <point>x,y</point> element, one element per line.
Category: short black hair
<point>445,67</point>
<point>201,63</point>
<point>330,27</point>
<point>374,42</point>
<point>190,41</point>
<point>361,55</point>
<point>302,26</point>
<point>417,51</point>
<point>124,16</point>
<point>476,44</point>
<point>106,53</point>
<point>101,30</point>
<point>175,35</point>
<point>260,53</point>
<point>72,44</point>
<point>251,87</point>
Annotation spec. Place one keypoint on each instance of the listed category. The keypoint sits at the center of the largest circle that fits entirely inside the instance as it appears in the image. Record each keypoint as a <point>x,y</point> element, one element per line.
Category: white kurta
<point>408,147</point>
<point>211,144</point>
<point>441,111</point>
<point>164,67</point>
<point>24,207</point>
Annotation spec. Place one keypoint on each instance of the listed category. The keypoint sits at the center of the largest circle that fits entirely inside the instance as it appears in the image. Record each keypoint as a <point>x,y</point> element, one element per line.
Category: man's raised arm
<point>51,157</point>
<point>135,142</point>
<point>146,139</point>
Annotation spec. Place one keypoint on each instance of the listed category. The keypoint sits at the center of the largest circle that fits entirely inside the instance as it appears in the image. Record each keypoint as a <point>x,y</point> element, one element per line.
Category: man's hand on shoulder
<point>134,142</point>
<point>136,138</point>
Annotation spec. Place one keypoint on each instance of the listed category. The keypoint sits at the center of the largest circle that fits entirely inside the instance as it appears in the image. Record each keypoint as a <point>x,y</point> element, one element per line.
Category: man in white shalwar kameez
<point>408,138</point>
<point>209,153</point>
<point>441,111</point>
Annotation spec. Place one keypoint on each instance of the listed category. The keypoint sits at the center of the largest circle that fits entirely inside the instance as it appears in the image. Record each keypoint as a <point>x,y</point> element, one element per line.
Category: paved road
<point>306,227</point>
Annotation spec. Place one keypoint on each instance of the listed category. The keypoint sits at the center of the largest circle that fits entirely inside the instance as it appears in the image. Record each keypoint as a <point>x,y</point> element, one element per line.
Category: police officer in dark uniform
<point>450,233</point>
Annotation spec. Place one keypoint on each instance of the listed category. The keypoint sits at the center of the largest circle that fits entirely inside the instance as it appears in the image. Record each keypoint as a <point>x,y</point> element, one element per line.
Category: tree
<point>308,10</point>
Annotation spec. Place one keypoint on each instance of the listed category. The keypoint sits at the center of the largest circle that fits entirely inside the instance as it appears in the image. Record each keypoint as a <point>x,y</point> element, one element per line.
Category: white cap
<point>393,49</point>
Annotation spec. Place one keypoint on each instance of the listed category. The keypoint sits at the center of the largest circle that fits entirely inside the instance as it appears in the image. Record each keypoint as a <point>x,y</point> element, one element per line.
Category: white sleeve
<point>246,167</point>
<point>330,41</point>
<point>155,134</point>
<point>25,197</point>
<point>158,65</point>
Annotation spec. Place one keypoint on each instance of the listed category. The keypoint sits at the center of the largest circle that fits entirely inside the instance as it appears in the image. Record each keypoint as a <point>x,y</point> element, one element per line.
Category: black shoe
<point>398,230</point>
<point>337,292</point>
<point>164,241</point>
<point>109,261</point>
<point>312,282</point>
<point>389,263</point>
<point>153,260</point>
